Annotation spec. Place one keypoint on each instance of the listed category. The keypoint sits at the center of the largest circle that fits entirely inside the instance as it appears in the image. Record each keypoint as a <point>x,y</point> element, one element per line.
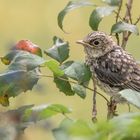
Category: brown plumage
<point>111,66</point>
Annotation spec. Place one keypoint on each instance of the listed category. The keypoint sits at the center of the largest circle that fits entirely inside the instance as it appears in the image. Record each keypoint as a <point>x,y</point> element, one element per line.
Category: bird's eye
<point>95,42</point>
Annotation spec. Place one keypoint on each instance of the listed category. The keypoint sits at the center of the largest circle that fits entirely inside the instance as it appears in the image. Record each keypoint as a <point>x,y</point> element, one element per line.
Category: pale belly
<point>113,92</point>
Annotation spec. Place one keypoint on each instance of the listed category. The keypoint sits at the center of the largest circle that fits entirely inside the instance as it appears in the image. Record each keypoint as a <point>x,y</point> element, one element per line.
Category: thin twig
<point>138,19</point>
<point>66,116</point>
<point>49,76</point>
<point>118,12</point>
<point>119,17</point>
<point>94,109</point>
<point>129,107</point>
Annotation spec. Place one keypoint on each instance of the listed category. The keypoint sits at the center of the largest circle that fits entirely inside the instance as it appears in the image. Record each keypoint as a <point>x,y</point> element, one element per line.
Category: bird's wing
<point>118,69</point>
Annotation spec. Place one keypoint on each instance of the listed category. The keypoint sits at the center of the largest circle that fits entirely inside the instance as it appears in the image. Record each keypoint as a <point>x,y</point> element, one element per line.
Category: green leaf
<point>22,74</point>
<point>123,127</point>
<point>14,119</point>
<point>60,134</point>
<point>24,60</point>
<point>78,71</point>
<point>59,51</point>
<point>63,85</point>
<point>122,26</point>
<point>79,90</point>
<point>20,111</point>
<point>45,111</point>
<point>18,81</point>
<point>69,7</point>
<point>131,96</point>
<point>19,59</point>
<point>54,67</point>
<point>66,123</point>
<point>81,128</point>
<point>112,2</point>
<point>98,14</point>
<point>66,64</point>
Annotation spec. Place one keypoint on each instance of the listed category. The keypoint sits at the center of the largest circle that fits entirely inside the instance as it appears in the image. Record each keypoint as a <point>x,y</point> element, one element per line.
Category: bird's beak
<point>85,44</point>
<point>80,42</point>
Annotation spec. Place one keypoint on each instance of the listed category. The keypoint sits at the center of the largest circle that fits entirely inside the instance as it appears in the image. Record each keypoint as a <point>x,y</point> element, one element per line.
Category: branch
<point>76,83</point>
<point>117,18</point>
<point>112,105</point>
<point>94,109</point>
<point>129,12</point>
<point>127,18</point>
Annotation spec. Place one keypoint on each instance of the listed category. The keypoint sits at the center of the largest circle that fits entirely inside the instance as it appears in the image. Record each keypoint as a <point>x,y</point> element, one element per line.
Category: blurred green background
<point>37,21</point>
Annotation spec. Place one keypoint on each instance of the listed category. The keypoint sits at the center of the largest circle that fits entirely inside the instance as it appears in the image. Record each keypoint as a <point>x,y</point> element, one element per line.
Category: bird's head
<point>97,44</point>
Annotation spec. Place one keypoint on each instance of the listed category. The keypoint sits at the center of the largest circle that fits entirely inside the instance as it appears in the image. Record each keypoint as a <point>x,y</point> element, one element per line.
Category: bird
<point>113,68</point>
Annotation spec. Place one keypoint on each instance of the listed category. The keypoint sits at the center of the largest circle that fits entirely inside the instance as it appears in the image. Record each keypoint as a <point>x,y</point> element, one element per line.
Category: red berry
<point>28,46</point>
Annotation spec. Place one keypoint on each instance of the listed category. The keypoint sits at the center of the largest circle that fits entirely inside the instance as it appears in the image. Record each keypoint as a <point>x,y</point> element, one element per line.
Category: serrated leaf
<point>66,64</point>
<point>24,60</point>
<point>22,74</point>
<point>78,71</point>
<point>131,96</point>
<point>45,111</point>
<point>54,67</point>
<point>79,90</point>
<point>18,81</point>
<point>63,85</point>
<point>59,51</point>
<point>69,7</point>
<point>98,14</point>
<point>112,2</point>
<point>122,26</point>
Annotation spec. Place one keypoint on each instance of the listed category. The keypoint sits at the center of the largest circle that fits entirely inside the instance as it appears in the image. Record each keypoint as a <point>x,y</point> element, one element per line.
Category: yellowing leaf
<point>5,61</point>
<point>4,100</point>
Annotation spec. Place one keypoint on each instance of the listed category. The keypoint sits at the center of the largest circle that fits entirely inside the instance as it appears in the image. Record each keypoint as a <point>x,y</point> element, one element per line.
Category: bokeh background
<point>37,21</point>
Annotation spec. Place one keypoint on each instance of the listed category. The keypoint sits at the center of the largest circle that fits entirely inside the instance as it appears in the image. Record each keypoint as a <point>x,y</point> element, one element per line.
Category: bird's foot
<point>112,106</point>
